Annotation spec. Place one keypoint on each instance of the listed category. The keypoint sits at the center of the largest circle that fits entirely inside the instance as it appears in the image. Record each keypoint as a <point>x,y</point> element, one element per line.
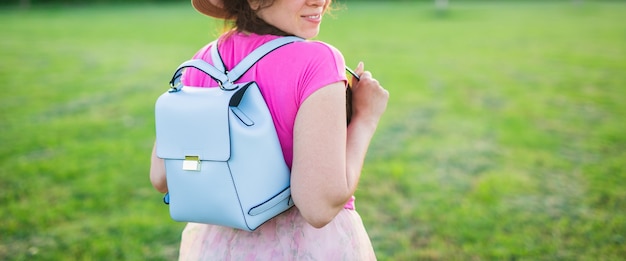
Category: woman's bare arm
<point>157,172</point>
<point>328,156</point>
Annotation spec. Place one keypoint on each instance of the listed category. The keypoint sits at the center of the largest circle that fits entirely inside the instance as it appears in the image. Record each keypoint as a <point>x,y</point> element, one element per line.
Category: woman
<point>304,85</point>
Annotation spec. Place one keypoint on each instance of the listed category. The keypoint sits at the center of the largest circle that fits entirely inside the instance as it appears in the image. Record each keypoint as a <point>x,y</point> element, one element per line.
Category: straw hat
<point>212,8</point>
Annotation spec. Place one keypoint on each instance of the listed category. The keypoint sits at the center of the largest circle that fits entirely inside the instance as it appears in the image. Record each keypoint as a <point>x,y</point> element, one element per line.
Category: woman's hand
<point>369,98</point>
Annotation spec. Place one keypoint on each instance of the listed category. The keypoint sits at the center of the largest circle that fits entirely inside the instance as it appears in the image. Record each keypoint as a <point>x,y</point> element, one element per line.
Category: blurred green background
<point>504,137</point>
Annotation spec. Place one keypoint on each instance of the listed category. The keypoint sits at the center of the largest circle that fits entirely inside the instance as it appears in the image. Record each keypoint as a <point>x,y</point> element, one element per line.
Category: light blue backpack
<point>224,164</point>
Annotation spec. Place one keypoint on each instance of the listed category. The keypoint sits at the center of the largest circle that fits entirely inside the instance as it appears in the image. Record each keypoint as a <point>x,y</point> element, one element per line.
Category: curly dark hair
<point>243,18</point>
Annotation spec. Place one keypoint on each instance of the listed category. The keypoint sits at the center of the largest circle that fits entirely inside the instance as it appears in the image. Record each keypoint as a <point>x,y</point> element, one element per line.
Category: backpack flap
<point>192,125</point>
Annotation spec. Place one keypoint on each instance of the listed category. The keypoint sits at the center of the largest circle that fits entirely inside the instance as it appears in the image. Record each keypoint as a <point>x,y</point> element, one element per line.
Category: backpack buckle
<point>228,86</point>
<point>191,163</point>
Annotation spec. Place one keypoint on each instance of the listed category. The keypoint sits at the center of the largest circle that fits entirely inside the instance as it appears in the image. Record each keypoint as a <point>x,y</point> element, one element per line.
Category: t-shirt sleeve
<point>326,66</point>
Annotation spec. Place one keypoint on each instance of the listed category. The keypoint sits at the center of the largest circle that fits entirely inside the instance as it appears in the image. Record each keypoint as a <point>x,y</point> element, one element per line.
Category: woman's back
<point>286,76</point>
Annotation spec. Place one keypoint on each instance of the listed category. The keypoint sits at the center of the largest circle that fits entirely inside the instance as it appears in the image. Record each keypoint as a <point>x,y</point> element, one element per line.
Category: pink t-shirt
<point>286,77</point>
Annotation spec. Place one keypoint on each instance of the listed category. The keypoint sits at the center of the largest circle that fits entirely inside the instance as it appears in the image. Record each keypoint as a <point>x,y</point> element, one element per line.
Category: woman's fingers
<point>369,98</point>
<point>360,68</point>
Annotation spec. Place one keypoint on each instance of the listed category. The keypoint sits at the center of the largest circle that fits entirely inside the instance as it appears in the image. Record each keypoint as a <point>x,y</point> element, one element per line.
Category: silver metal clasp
<point>191,163</point>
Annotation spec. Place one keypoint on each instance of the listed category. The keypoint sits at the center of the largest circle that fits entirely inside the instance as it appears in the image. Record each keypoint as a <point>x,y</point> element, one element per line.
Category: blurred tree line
<point>28,3</point>
<point>18,2</point>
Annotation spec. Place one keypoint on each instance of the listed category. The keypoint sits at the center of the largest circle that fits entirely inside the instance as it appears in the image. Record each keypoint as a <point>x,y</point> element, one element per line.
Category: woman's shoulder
<point>309,47</point>
<point>237,45</point>
<point>312,52</point>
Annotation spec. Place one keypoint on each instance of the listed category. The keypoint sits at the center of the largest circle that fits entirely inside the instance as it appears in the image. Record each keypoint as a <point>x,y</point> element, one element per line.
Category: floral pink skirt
<point>285,237</point>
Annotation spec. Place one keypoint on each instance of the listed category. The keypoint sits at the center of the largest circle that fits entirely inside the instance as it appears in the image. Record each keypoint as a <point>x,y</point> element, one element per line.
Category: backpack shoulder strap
<point>252,58</point>
<point>255,56</point>
<point>201,65</point>
<point>217,71</point>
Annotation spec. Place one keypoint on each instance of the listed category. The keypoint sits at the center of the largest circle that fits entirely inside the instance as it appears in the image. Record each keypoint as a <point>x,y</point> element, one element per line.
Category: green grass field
<point>504,137</point>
